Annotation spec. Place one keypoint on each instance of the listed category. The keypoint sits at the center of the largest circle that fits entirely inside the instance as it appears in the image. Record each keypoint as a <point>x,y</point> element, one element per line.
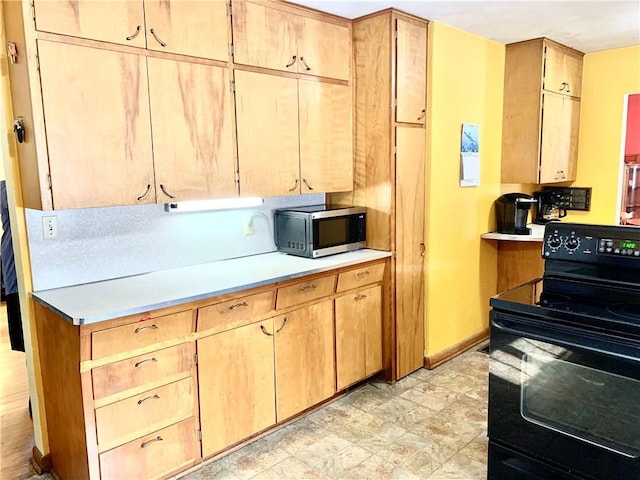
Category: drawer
<point>305,291</point>
<point>139,415</point>
<point>140,334</point>
<point>234,313</point>
<point>153,455</point>
<point>167,364</point>
<point>360,276</point>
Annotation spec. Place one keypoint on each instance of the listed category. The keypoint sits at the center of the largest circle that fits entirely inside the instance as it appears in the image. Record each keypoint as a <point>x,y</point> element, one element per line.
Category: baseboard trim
<point>41,463</point>
<point>455,350</point>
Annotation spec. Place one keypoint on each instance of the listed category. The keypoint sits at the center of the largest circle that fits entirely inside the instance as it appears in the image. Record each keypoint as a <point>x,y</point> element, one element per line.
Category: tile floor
<point>430,425</point>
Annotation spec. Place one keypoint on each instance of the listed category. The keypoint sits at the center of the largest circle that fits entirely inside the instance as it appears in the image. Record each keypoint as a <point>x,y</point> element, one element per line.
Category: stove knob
<point>554,242</point>
<point>572,243</point>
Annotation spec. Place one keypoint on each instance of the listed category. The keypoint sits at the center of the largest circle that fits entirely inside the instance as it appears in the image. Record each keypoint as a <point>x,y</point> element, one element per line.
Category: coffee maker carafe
<point>512,212</point>
<point>548,207</point>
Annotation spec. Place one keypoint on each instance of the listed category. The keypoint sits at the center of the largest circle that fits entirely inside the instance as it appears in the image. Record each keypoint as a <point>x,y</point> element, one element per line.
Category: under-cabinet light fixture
<point>213,204</point>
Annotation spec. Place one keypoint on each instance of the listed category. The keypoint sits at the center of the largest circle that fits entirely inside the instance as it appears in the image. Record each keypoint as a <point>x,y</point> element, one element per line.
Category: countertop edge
<point>47,297</point>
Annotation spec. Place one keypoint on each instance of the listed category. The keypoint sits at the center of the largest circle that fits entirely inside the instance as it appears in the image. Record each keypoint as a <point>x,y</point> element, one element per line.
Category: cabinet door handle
<point>145,361</point>
<point>142,329</point>
<point>363,274</point>
<point>309,286</point>
<point>135,34</point>
<point>307,184</point>
<point>238,305</point>
<point>157,39</point>
<point>423,114</point>
<point>283,325</point>
<point>293,60</point>
<point>264,330</point>
<point>157,439</point>
<point>152,397</point>
<point>307,67</point>
<point>360,297</point>
<point>164,190</point>
<point>294,186</point>
<point>146,193</point>
<point>563,86</point>
<point>422,249</point>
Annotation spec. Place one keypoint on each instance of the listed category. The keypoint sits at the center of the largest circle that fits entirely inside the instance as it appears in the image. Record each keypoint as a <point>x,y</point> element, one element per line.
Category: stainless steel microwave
<point>316,231</point>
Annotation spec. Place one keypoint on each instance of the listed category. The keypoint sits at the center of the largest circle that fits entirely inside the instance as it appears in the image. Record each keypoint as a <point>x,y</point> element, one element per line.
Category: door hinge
<point>37,63</point>
<point>195,358</point>
<point>395,149</point>
<point>395,102</point>
<point>232,86</point>
<point>33,11</point>
<point>232,50</point>
<point>229,11</point>
<point>395,33</point>
<point>237,175</point>
<point>199,435</point>
<point>49,181</point>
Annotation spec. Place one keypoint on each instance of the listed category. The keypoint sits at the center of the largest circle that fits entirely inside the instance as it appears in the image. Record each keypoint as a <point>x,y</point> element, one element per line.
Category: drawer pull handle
<point>135,34</point>
<point>293,60</point>
<point>363,274</point>
<point>264,330</point>
<point>152,397</point>
<point>238,305</point>
<point>141,329</point>
<point>157,38</point>
<point>157,439</point>
<point>310,286</point>
<point>360,297</point>
<point>283,325</point>
<point>145,361</point>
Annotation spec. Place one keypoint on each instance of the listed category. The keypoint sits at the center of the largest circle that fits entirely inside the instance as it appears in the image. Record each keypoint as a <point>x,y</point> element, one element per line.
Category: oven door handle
<point>569,337</point>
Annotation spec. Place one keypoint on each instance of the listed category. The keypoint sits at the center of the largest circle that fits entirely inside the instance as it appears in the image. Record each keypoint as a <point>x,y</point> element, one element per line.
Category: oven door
<point>564,402</point>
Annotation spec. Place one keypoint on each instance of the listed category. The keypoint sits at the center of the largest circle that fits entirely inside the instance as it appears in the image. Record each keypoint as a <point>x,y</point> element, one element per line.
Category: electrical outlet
<point>50,227</point>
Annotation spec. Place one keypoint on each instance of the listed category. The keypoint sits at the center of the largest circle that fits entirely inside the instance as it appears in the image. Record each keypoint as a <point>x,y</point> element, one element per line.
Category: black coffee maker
<point>548,207</point>
<point>512,212</point>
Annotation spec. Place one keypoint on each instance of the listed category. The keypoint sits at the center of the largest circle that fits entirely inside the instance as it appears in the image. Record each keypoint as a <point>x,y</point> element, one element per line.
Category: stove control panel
<point>591,243</point>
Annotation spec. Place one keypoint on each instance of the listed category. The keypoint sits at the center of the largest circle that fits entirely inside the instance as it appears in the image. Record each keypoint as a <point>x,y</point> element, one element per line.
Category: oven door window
<point>583,402</point>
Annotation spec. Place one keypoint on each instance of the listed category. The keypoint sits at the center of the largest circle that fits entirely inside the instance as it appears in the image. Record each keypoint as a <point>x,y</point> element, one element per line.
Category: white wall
<point>102,243</point>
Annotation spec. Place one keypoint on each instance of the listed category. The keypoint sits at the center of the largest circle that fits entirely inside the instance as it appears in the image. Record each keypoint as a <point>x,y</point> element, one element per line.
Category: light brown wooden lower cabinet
<point>154,455</point>
<point>358,335</point>
<point>237,388</point>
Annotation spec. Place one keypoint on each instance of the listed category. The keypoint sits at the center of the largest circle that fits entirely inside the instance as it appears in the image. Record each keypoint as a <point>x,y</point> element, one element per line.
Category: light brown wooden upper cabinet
<point>274,36</point>
<point>294,136</point>
<point>541,112</point>
<point>192,130</point>
<point>411,71</point>
<point>194,28</point>
<point>562,70</point>
<point>96,111</point>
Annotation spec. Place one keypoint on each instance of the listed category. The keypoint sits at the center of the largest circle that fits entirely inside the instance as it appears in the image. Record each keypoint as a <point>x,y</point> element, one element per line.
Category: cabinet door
<point>358,335</point>
<point>410,159</point>
<point>194,28</point>
<point>117,21</point>
<point>304,358</point>
<point>562,71</point>
<point>267,126</point>
<point>559,148</point>
<point>411,72</point>
<point>96,110</point>
<point>326,150</point>
<point>192,130</point>
<point>264,36</point>
<point>324,49</point>
<point>237,391</point>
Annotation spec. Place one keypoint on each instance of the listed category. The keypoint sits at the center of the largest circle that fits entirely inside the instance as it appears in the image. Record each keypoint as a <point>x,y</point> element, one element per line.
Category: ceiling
<point>587,26</point>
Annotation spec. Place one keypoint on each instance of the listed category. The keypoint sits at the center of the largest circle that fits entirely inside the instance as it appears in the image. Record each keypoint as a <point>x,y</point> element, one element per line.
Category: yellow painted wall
<point>466,77</point>
<point>606,78</point>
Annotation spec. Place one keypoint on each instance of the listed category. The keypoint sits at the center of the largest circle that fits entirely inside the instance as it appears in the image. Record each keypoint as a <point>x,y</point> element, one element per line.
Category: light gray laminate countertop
<point>109,299</point>
<point>537,235</point>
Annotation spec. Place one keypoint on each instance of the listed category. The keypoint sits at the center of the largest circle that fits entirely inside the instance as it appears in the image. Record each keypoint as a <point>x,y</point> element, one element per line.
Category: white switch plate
<point>50,227</point>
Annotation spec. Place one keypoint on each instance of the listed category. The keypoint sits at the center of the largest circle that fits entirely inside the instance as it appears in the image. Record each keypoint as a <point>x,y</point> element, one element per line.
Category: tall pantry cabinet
<point>390,50</point>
